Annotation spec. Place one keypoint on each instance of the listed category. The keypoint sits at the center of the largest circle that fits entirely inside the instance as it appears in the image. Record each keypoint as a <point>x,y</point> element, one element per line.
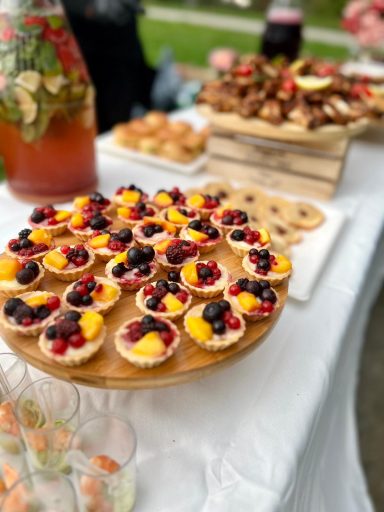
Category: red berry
<point>98,288</point>
<point>234,289</point>
<point>65,249</point>
<point>27,321</point>
<point>254,258</point>
<point>150,211</point>
<point>82,289</point>
<point>199,266</point>
<point>79,247</point>
<point>49,212</point>
<point>148,290</point>
<point>216,273</point>
<point>87,278</point>
<point>53,302</point>
<point>210,281</point>
<point>161,308</point>
<point>233,323</point>
<point>266,306</point>
<point>167,337</point>
<point>247,230</point>
<point>212,264</point>
<point>191,214</point>
<point>52,221</point>
<point>182,296</point>
<point>249,239</point>
<point>136,325</point>
<point>79,261</point>
<point>40,248</point>
<point>116,246</point>
<point>238,221</point>
<point>76,340</point>
<point>59,346</point>
<point>135,215</point>
<point>227,315</point>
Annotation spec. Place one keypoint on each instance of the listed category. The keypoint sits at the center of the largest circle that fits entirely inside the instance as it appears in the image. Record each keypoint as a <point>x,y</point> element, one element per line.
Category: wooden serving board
<point>107,369</point>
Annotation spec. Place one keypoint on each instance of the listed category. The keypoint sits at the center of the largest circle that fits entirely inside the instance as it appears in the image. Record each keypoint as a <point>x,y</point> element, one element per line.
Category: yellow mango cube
<point>56,259</point>
<point>197,236</point>
<point>62,215</point>
<point>40,236</point>
<point>248,301</point>
<point>172,303</point>
<point>131,196</point>
<point>177,217</point>
<point>124,212</point>
<point>153,220</point>
<point>8,269</point>
<point>77,221</point>
<point>38,300</point>
<point>80,202</point>
<point>196,201</point>
<point>162,246</point>
<point>106,294</point>
<point>265,237</point>
<point>281,264</point>
<point>163,199</point>
<point>121,258</point>
<point>189,272</point>
<point>98,242</point>
<point>150,345</point>
<point>91,324</point>
<point>199,328</point>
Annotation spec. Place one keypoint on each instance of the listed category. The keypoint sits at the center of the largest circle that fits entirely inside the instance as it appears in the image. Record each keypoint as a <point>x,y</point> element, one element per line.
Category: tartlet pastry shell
<point>211,291</point>
<point>23,288</point>
<point>56,230</point>
<point>237,248</point>
<point>74,273</point>
<point>140,303</point>
<point>274,279</point>
<point>249,317</point>
<point>102,309</point>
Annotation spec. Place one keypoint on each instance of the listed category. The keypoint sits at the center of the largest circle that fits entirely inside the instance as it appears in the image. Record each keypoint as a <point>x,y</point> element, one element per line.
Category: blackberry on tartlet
<point>173,253</point>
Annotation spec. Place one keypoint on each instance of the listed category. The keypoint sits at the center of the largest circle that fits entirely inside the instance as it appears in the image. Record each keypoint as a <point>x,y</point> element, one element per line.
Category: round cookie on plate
<point>278,226</point>
<point>204,204</point>
<point>205,279</point>
<point>248,198</point>
<point>83,226</point>
<point>273,206</point>
<point>179,216</point>
<point>242,240</point>
<point>19,277</point>
<point>253,299</point>
<point>303,215</point>
<point>31,244</point>
<point>55,222</point>
<point>95,202</point>
<point>132,269</point>
<point>221,189</point>
<point>166,299</point>
<point>129,196</point>
<point>267,265</point>
<point>107,244</point>
<point>153,230</point>
<point>133,215</point>
<point>206,236</point>
<point>173,253</point>
<point>69,262</point>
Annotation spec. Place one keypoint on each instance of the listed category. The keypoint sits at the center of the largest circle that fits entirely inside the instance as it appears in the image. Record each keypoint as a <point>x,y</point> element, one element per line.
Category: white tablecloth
<point>276,432</point>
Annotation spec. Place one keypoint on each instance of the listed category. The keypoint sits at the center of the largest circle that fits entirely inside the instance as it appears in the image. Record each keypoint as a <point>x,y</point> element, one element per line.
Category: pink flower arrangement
<point>222,59</point>
<point>365,20</point>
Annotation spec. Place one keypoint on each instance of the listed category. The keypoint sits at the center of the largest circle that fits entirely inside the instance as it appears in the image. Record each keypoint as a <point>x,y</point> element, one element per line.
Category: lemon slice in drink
<point>313,83</point>
<point>29,80</point>
<point>53,84</point>
<point>27,105</point>
<point>296,65</point>
<point>377,90</point>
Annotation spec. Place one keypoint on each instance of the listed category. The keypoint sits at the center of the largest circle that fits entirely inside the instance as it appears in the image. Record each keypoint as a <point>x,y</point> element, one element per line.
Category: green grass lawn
<point>1,170</point>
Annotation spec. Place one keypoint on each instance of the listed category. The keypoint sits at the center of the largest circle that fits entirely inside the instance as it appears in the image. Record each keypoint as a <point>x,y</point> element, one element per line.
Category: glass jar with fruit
<point>47,121</point>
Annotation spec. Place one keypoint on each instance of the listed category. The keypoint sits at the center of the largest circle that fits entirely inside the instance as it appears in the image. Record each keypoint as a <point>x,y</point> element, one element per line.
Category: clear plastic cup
<point>103,456</point>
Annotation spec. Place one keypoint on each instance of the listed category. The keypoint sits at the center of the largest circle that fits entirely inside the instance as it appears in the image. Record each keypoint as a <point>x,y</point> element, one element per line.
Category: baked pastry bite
<point>222,189</point>
<point>73,338</point>
<point>280,227</point>
<point>253,299</point>
<point>227,218</point>
<point>153,230</point>
<point>248,198</point>
<point>132,269</point>
<point>124,136</point>
<point>242,240</point>
<point>194,143</point>
<point>165,198</point>
<point>27,314</point>
<point>69,262</point>
<point>156,119</point>
<point>180,128</point>
<point>206,236</point>
<point>179,216</point>
<point>149,145</point>
<point>107,244</point>
<point>205,278</point>
<point>95,202</point>
<point>273,206</point>
<point>53,221</point>
<point>91,293</point>
<point>205,204</point>
<point>303,215</point>
<point>166,299</point>
<point>173,253</point>
<point>147,341</point>
<point>83,225</point>
<point>18,277</point>
<point>214,326</point>
<point>133,215</point>
<point>30,244</point>
<point>173,150</point>
<point>267,265</point>
<point>129,196</point>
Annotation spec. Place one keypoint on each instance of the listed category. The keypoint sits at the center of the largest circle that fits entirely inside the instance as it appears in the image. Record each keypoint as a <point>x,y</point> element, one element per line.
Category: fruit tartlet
<point>165,198</point>
<point>91,293</point>
<point>129,196</point>
<point>179,216</point>
<point>205,278</point>
<point>29,313</point>
<point>172,254</point>
<point>205,204</point>
<point>147,341</point>
<point>31,244</point>
<point>19,277</point>
<point>206,236</point>
<point>228,219</point>
<point>214,326</point>
<point>268,265</point>
<point>242,240</point>
<point>69,262</point>
<point>53,221</point>
<point>132,269</point>
<point>73,338</point>
<point>253,299</point>
<point>95,202</point>
<point>167,299</point>
<point>107,244</point>
<point>133,215</point>
<point>83,225</point>
<point>153,230</point>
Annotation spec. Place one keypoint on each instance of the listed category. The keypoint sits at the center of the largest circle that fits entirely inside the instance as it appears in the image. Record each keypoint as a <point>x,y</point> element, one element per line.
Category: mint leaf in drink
<point>48,60</point>
<point>55,22</point>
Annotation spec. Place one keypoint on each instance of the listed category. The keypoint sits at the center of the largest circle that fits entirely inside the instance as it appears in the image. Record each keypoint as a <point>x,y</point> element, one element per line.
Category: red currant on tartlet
<point>242,240</point>
<point>172,254</point>
<point>267,265</point>
<point>31,244</point>
<point>253,299</point>
<point>204,278</point>
<point>53,221</point>
<point>228,219</point>
<point>166,299</point>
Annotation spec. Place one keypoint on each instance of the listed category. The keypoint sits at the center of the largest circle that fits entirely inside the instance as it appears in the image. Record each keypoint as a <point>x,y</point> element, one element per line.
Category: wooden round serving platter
<point>289,132</point>
<point>107,369</point>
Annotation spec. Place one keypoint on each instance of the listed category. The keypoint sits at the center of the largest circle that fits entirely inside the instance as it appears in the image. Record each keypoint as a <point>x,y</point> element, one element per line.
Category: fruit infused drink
<point>47,122</point>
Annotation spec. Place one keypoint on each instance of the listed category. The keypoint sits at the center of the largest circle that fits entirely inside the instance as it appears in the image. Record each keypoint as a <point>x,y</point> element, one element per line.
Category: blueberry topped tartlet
<point>133,215</point>
<point>206,236</point>
<point>253,299</point>
<point>107,244</point>
<point>53,221</point>
<point>267,265</point>
<point>164,198</point>
<point>129,196</point>
<point>83,226</point>
<point>91,293</point>
<point>153,230</point>
<point>95,202</point>
<point>19,277</point>
<point>179,216</point>
<point>205,204</point>
<point>242,240</point>
<point>69,262</point>
<point>31,244</point>
<point>227,219</point>
<point>130,270</point>
<point>204,278</point>
<point>167,299</point>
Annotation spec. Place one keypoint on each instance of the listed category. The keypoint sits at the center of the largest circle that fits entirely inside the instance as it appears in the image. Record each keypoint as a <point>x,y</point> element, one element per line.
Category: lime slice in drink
<point>32,414</point>
<point>53,84</point>
<point>27,104</point>
<point>377,90</point>
<point>9,444</point>
<point>313,83</point>
<point>29,80</point>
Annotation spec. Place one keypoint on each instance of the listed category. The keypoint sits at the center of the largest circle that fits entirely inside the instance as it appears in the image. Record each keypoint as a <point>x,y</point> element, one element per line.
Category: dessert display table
<point>276,432</point>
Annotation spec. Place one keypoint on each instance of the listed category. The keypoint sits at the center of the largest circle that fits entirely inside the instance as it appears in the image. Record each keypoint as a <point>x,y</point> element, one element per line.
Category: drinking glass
<point>48,414</point>
<point>102,453</point>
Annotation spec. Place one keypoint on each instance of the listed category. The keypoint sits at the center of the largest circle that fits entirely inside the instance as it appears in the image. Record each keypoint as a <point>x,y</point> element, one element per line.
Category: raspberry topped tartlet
<point>69,262</point>
<point>29,313</point>
<point>73,338</point>
<point>19,277</point>
<point>253,299</point>
<point>129,196</point>
<point>95,202</point>
<point>227,219</point>
<point>92,293</point>
<point>214,326</point>
<point>107,244</point>
<point>204,278</point>
<point>133,215</point>
<point>84,225</point>
<point>180,216</point>
<point>174,253</point>
<point>53,221</point>
<point>205,204</point>
<point>267,265</point>
<point>147,341</point>
<point>132,269</point>
<point>153,230</point>
<point>173,197</point>
<point>206,236</point>
<point>166,299</point>
<point>31,244</point>
<point>242,240</point>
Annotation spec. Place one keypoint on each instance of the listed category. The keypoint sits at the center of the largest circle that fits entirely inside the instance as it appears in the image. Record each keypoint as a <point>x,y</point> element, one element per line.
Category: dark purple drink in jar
<point>282,35</point>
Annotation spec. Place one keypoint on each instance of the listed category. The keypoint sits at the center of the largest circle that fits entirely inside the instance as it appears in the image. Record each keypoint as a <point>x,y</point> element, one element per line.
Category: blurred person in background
<point>106,31</point>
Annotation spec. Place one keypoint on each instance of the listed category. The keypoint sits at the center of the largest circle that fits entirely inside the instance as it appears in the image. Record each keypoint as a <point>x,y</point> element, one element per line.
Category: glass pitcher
<point>47,116</point>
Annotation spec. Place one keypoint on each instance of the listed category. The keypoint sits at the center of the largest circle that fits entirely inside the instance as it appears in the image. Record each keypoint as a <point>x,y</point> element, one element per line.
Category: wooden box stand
<point>305,168</point>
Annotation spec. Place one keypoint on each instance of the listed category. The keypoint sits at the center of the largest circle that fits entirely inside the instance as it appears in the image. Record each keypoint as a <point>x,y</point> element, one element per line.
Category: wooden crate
<point>310,169</point>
